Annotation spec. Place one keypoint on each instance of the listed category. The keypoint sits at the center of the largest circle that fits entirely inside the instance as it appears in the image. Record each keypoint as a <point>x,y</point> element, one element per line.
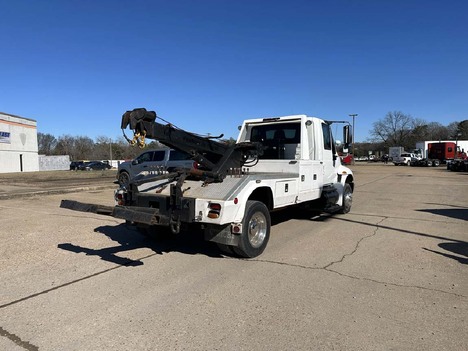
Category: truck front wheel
<point>347,201</point>
<point>255,230</point>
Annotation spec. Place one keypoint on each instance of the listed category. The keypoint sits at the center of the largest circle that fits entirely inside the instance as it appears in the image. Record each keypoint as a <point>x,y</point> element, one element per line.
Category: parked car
<point>75,165</point>
<point>153,160</point>
<point>94,166</point>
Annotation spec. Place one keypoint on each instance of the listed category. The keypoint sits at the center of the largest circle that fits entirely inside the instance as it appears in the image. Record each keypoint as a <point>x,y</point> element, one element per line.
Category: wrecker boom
<point>216,157</point>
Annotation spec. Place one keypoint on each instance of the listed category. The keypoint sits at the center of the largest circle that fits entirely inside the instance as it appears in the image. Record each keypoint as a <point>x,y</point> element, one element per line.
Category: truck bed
<point>226,190</point>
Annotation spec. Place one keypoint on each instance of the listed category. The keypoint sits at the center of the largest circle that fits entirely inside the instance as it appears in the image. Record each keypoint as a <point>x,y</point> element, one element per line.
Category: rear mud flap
<point>221,235</point>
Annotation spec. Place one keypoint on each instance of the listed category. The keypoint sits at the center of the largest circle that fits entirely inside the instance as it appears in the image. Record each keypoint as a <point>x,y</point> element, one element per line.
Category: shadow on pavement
<point>457,213</point>
<point>459,248</point>
<point>455,246</point>
<point>190,242</point>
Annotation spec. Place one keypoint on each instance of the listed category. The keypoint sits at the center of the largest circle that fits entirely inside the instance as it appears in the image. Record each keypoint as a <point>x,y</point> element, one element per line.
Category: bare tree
<point>437,131</point>
<point>65,146</point>
<point>83,147</point>
<point>46,143</point>
<point>395,129</point>
<point>429,131</point>
<point>459,130</point>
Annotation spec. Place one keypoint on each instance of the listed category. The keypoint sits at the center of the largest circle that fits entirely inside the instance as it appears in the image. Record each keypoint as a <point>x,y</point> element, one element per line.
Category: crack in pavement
<point>395,284</point>
<point>423,220</point>
<point>30,347</point>
<point>17,340</point>
<point>129,263</point>
<point>356,278</point>
<point>328,269</point>
<point>377,227</point>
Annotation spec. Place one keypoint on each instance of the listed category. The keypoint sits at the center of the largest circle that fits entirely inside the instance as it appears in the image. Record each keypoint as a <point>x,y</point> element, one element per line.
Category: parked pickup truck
<point>404,159</point>
<point>154,161</point>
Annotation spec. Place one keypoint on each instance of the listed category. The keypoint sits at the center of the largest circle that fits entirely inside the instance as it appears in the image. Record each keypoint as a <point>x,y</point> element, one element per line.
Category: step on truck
<point>276,163</point>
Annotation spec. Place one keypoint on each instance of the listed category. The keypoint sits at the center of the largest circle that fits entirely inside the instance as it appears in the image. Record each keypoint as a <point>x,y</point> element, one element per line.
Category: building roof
<point>15,116</point>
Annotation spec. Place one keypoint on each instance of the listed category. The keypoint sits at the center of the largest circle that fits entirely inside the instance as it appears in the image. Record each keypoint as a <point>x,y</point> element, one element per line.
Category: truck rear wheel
<point>124,178</point>
<point>255,230</point>
<point>347,200</point>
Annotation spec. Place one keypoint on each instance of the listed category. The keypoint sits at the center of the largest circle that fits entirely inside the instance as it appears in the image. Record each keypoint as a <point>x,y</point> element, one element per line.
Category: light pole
<point>354,116</point>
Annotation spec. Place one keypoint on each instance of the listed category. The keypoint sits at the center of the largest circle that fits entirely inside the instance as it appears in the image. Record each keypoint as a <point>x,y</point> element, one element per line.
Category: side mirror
<point>347,138</point>
<point>134,162</point>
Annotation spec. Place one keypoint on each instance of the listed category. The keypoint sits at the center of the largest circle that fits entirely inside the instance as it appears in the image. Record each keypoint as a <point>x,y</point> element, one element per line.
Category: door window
<point>159,155</point>
<point>327,141</point>
<point>145,157</point>
<point>176,155</point>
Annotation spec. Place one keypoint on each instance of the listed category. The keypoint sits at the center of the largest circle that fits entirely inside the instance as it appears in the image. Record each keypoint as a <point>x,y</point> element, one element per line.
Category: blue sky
<point>76,66</point>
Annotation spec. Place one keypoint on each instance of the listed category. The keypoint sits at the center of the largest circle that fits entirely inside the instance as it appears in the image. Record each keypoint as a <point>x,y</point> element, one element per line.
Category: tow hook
<point>175,226</point>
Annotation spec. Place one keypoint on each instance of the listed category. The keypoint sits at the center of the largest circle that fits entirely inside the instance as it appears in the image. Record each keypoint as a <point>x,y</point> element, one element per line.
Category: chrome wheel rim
<point>257,229</point>
<point>348,200</point>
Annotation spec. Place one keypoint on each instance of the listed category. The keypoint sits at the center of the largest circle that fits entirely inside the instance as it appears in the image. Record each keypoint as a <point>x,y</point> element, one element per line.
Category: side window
<point>176,155</point>
<point>159,155</point>
<point>146,157</point>
<point>327,141</point>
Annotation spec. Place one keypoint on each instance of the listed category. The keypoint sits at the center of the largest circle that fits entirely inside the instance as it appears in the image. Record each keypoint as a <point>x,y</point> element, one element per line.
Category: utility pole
<point>354,116</point>
<point>110,150</point>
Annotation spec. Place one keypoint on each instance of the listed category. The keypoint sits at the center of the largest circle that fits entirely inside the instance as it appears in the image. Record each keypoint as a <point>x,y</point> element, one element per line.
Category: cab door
<point>311,167</point>
<point>142,162</point>
<point>328,152</point>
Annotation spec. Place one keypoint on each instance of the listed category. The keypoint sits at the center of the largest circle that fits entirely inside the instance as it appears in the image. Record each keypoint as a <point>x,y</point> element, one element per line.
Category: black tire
<point>347,200</point>
<point>255,230</point>
<point>124,178</point>
<point>435,163</point>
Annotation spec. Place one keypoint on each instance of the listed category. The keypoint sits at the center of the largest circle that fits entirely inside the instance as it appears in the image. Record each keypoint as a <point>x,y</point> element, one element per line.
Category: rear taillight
<point>215,210</point>
<point>195,165</point>
<point>119,198</point>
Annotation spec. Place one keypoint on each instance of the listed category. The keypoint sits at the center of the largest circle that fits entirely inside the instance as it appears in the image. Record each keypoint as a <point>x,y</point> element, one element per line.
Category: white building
<point>18,144</point>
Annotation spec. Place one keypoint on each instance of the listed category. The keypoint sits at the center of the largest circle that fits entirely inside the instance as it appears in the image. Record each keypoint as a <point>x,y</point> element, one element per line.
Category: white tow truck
<point>275,163</point>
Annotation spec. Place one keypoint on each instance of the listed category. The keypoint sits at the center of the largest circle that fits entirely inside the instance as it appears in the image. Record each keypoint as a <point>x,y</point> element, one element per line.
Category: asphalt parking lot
<point>390,275</point>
